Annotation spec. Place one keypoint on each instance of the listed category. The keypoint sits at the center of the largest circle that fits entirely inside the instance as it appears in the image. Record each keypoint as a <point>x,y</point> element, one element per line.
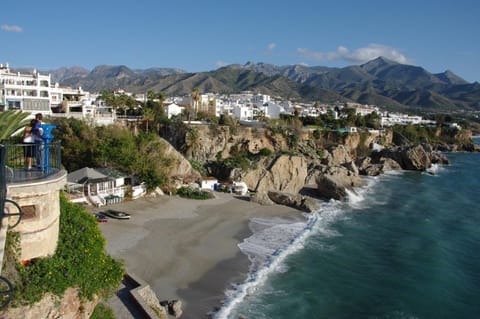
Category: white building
<point>173,109</point>
<point>243,112</point>
<point>260,99</point>
<point>208,183</point>
<point>25,92</point>
<point>391,119</point>
<point>364,109</point>
<point>273,110</point>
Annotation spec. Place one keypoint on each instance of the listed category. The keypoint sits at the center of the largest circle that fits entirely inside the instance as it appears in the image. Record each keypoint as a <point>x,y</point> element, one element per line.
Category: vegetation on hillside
<point>423,134</point>
<point>140,155</point>
<point>80,261</point>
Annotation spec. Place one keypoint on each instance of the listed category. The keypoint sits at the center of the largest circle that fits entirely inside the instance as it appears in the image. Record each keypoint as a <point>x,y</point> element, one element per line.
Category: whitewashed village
<point>36,93</point>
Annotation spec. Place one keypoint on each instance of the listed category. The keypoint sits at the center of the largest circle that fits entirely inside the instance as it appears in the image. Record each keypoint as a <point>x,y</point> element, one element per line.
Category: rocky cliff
<point>69,306</point>
<point>287,160</point>
<point>181,170</point>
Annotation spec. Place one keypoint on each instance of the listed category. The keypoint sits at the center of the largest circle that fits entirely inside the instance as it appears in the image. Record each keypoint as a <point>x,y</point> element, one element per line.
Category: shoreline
<point>187,249</point>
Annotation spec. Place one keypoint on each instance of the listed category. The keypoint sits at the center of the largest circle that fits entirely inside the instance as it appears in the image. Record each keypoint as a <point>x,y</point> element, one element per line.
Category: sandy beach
<point>187,249</point>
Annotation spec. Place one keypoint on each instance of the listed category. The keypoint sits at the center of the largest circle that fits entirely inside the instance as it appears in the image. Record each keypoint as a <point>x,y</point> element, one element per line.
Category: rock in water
<point>334,182</point>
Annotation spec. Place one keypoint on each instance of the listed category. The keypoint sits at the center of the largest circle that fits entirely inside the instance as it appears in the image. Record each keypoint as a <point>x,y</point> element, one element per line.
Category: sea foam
<point>274,239</point>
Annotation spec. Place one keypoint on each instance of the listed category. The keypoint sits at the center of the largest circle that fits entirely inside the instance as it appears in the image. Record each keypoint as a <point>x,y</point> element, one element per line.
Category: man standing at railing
<point>37,132</point>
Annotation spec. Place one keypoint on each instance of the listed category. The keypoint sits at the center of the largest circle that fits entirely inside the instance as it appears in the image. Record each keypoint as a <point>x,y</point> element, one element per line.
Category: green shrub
<point>196,165</point>
<point>102,311</point>
<point>265,152</point>
<point>187,192</point>
<point>80,261</point>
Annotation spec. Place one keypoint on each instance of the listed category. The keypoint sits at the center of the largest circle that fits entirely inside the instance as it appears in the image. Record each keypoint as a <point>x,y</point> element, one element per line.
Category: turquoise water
<point>405,246</point>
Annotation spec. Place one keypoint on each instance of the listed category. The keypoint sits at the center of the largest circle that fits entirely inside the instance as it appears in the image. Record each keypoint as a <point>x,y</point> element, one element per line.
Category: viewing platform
<point>31,196</point>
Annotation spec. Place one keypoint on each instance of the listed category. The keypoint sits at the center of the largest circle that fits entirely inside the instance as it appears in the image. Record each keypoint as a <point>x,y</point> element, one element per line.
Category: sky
<point>204,35</point>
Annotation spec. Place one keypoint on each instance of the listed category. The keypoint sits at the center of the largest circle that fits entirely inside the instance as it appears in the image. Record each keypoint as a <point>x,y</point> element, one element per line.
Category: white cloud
<point>359,55</point>
<point>11,28</point>
<point>271,46</point>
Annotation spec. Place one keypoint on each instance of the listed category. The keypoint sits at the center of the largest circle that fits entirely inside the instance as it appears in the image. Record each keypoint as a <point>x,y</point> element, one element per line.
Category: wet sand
<point>187,249</point>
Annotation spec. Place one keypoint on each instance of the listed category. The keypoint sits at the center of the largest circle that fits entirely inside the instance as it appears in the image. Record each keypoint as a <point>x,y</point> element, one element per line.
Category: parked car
<point>116,214</point>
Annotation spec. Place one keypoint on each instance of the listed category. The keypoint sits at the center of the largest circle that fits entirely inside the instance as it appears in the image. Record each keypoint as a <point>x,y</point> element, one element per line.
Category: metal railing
<point>46,160</point>
<point>8,208</point>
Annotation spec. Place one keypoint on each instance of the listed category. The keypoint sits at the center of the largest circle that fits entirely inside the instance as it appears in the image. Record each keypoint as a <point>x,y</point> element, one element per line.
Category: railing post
<point>3,182</point>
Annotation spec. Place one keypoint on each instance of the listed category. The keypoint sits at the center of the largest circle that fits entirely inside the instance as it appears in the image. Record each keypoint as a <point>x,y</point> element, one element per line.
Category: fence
<point>16,169</point>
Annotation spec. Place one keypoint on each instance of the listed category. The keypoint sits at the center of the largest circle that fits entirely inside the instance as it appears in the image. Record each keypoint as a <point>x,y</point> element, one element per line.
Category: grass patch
<point>102,311</point>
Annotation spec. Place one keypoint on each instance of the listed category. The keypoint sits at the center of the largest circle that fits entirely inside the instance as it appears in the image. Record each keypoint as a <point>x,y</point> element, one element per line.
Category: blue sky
<point>204,35</point>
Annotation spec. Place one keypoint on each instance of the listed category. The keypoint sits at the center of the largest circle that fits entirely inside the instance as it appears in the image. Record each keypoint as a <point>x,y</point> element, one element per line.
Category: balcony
<point>15,161</point>
<point>35,194</point>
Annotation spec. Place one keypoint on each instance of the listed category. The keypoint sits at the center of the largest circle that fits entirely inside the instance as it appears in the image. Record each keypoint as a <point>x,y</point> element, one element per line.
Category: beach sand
<point>187,249</point>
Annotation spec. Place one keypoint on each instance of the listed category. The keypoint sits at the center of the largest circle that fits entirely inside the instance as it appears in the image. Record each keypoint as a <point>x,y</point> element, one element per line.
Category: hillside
<point>380,81</point>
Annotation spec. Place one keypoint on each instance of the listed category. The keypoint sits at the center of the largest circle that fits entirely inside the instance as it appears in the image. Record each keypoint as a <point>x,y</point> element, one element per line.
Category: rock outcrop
<point>334,181</point>
<point>416,157</point>
<point>285,174</point>
<point>366,166</point>
<point>297,201</point>
<point>174,307</point>
<point>336,156</point>
<point>69,306</point>
<point>181,170</point>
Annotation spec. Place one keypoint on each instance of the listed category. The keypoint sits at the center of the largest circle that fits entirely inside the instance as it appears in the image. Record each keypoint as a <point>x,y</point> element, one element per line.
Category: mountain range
<point>380,82</point>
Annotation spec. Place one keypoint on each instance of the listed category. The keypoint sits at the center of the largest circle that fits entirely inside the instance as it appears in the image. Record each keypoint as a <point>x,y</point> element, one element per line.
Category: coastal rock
<point>69,306</point>
<point>336,156</point>
<point>205,143</point>
<point>333,182</point>
<point>389,164</point>
<point>285,174</point>
<point>409,157</point>
<point>175,308</point>
<point>262,199</point>
<point>439,158</point>
<point>367,167</point>
<point>181,171</point>
<point>297,201</point>
<point>417,157</point>
<point>352,167</point>
<point>150,298</point>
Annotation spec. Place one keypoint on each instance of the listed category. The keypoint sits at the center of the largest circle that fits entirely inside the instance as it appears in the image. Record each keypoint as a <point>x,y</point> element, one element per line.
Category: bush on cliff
<point>80,261</point>
<point>416,134</point>
<point>141,155</point>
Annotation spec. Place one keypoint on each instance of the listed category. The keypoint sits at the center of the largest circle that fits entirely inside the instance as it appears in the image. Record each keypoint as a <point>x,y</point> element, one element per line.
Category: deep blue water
<point>406,246</point>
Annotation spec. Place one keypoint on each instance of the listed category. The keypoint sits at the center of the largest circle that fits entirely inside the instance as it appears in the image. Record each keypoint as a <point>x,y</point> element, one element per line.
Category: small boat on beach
<point>116,214</point>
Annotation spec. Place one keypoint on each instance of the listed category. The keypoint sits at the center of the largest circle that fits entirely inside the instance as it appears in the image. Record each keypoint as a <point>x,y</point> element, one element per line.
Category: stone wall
<point>40,201</point>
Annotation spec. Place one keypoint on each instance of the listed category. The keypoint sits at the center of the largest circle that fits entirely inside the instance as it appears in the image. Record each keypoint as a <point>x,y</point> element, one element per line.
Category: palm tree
<point>148,115</point>
<point>11,121</point>
<point>196,98</point>
<point>110,99</point>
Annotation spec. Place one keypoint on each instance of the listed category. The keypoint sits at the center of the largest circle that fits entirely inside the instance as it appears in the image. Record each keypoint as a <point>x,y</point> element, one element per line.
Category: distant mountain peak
<point>379,61</point>
<point>451,78</point>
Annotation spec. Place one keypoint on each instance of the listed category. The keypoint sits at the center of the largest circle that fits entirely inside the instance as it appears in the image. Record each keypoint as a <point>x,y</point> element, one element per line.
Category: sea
<point>406,245</point>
